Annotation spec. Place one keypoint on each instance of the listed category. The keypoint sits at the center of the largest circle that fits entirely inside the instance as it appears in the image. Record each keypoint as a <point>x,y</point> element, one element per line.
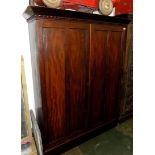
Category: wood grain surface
<point>77,76</point>
<point>76,71</point>
<point>53,41</point>
<point>113,74</point>
<point>97,74</point>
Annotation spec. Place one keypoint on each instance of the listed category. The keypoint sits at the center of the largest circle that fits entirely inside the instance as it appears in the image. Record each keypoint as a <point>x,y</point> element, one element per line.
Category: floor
<point>117,141</point>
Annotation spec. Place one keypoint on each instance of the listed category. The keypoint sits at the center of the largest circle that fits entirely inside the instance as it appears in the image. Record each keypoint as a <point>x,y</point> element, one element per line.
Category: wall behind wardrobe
<point>25,51</point>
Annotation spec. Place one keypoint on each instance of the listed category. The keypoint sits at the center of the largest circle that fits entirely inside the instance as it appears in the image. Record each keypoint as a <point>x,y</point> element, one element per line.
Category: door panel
<point>66,48</point>
<point>104,72</point>
<point>54,41</point>
<point>77,77</point>
<point>113,73</point>
<point>97,75</point>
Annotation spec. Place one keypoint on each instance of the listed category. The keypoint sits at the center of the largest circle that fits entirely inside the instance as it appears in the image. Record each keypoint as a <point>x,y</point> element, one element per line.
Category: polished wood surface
<point>97,74</point>
<point>76,68</point>
<point>113,74</point>
<point>64,65</point>
<point>53,41</point>
<point>77,48</point>
<point>105,70</point>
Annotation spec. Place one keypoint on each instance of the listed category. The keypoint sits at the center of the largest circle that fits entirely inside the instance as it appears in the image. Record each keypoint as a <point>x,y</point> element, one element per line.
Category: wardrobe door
<point>76,74</point>
<point>53,79</point>
<point>104,72</point>
<point>65,75</point>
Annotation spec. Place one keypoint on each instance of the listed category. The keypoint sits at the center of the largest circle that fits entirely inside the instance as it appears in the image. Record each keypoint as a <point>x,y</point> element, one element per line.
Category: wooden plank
<point>26,107</point>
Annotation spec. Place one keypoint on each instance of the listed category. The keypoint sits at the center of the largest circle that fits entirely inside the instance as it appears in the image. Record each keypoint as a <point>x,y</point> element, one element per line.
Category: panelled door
<point>77,57</point>
<point>104,72</point>
<point>81,69</point>
<point>66,53</point>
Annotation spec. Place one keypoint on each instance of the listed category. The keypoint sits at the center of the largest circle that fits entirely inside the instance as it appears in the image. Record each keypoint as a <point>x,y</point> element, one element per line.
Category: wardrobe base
<point>125,117</point>
<point>57,150</point>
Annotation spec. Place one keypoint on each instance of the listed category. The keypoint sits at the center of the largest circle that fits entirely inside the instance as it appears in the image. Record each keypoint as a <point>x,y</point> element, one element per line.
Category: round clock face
<point>105,6</point>
<point>52,3</point>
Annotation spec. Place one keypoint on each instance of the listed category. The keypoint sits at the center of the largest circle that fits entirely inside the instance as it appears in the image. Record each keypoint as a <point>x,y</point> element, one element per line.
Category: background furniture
<point>76,67</point>
<point>126,100</point>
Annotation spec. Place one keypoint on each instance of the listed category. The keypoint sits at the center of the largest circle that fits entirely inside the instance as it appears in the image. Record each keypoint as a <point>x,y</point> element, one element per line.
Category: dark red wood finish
<point>77,48</point>
<point>55,77</point>
<point>104,72</point>
<point>64,63</point>
<point>113,73</point>
<point>97,74</point>
<point>76,67</point>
